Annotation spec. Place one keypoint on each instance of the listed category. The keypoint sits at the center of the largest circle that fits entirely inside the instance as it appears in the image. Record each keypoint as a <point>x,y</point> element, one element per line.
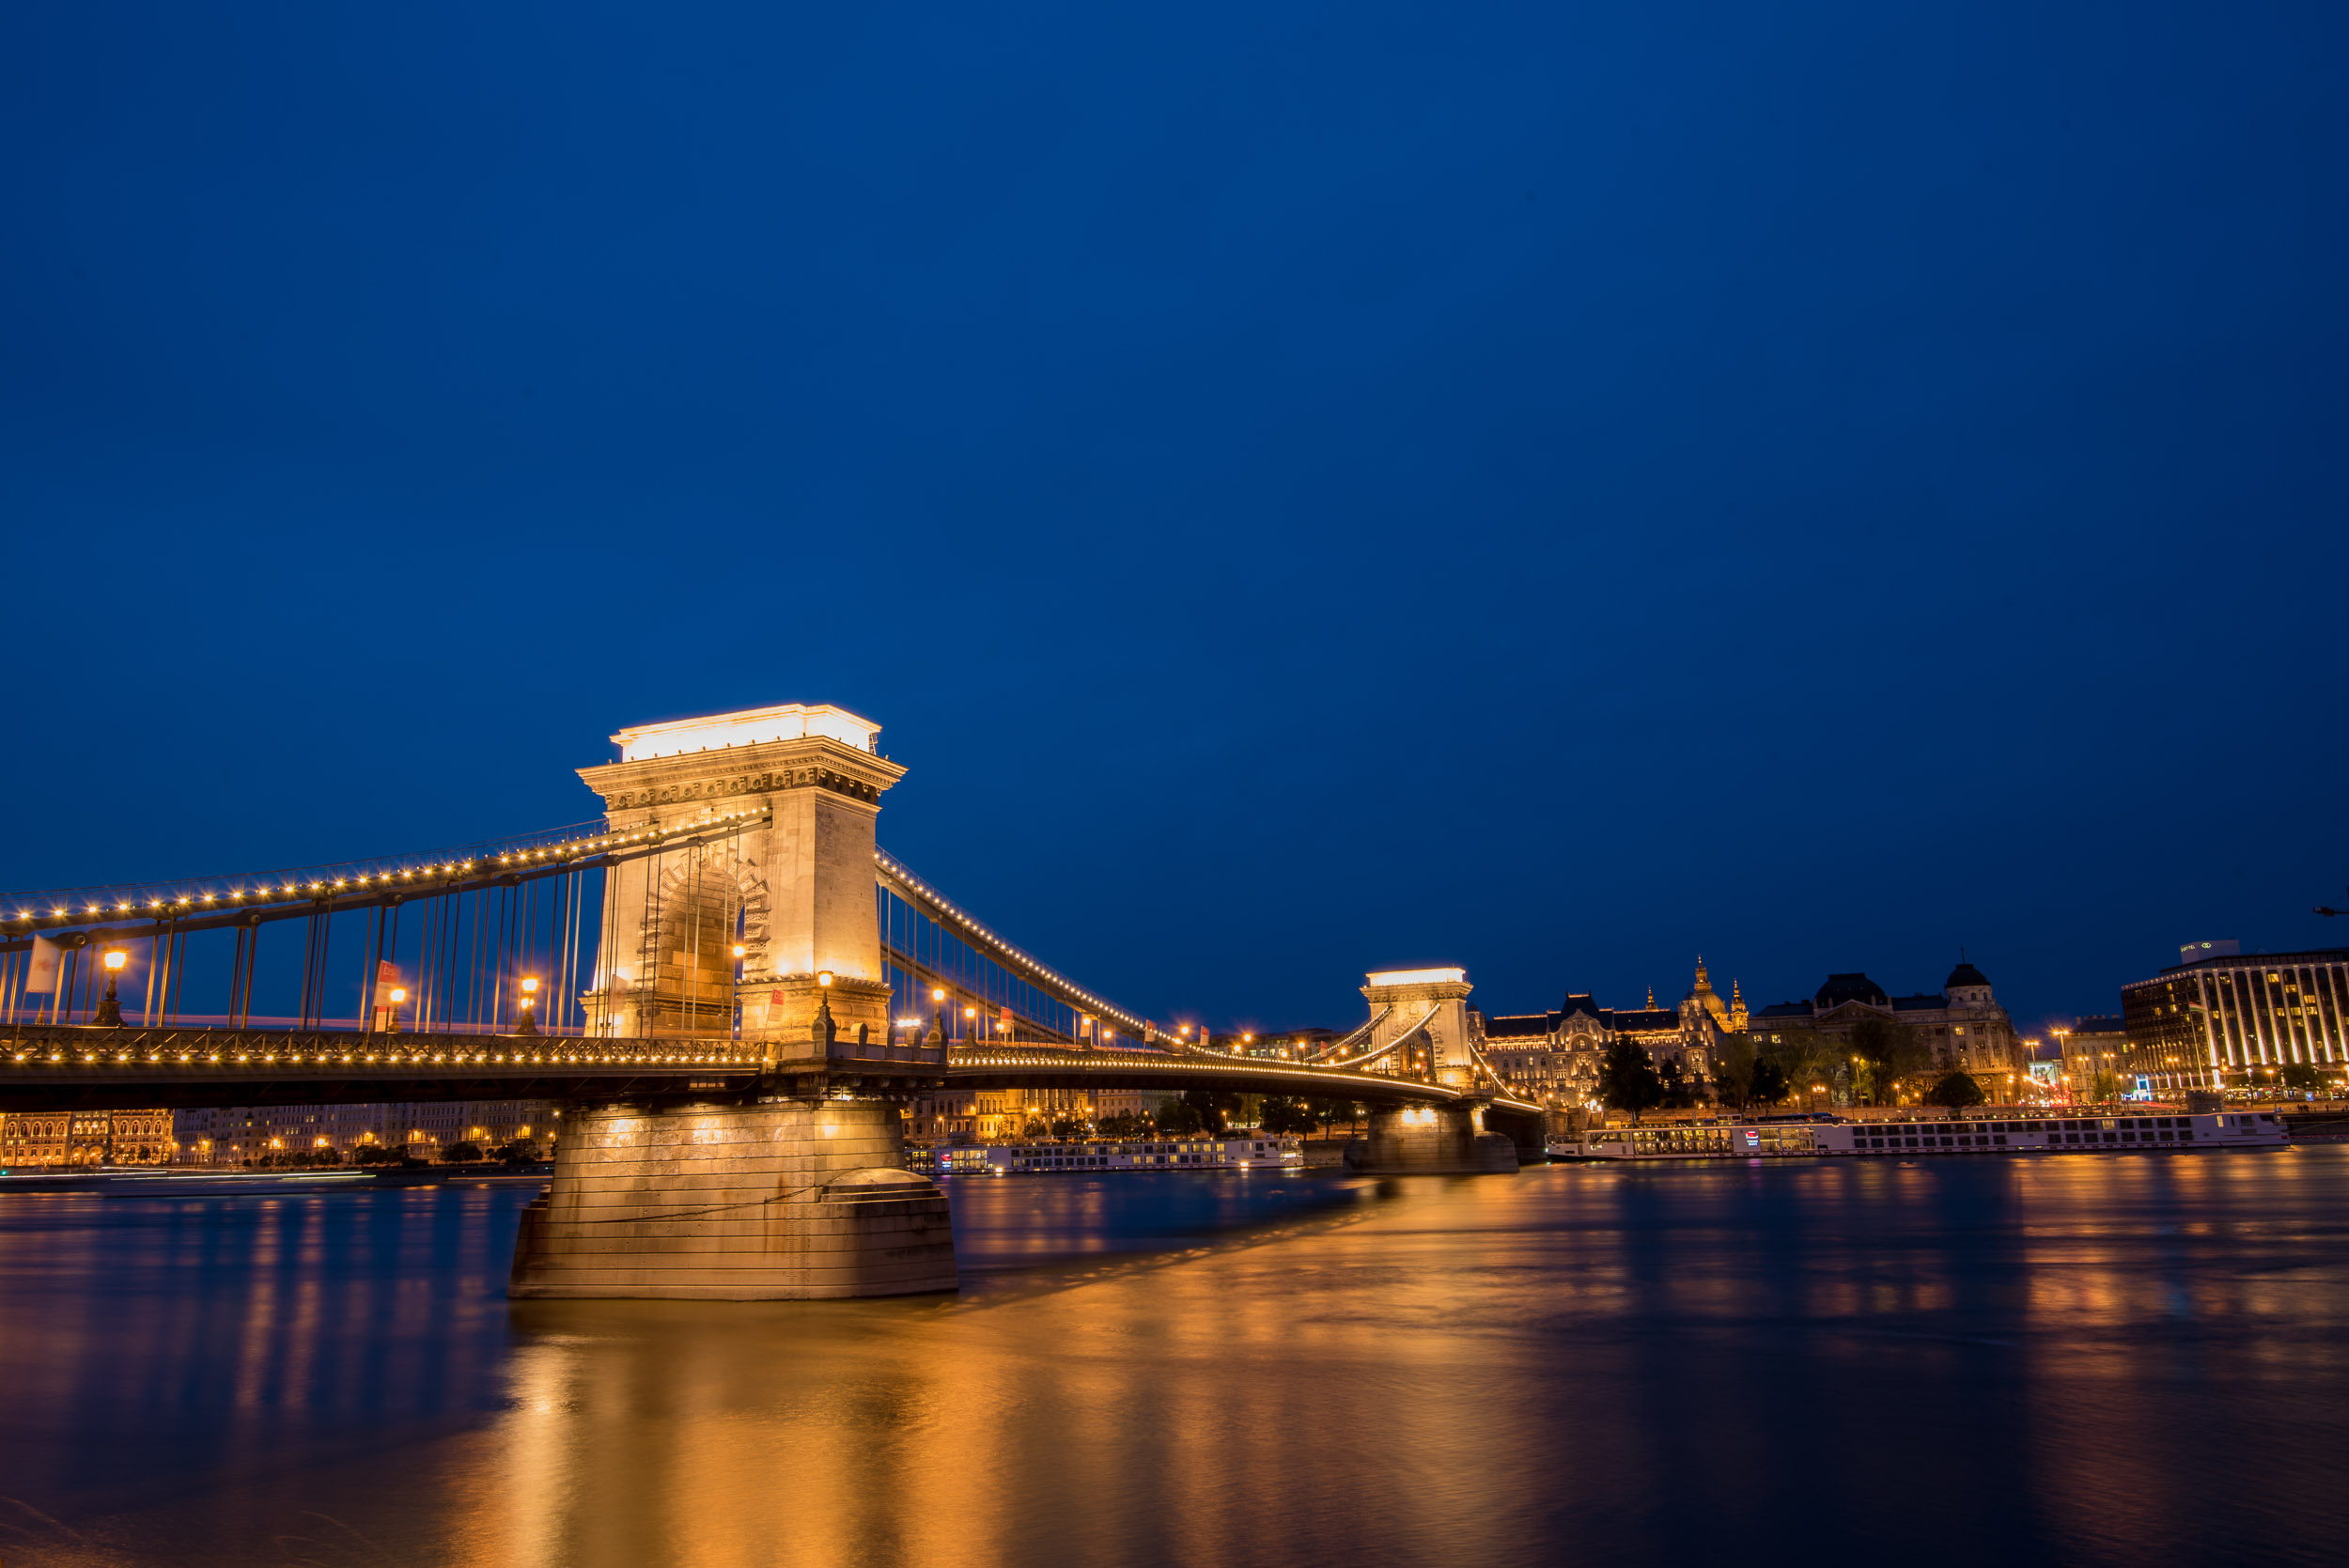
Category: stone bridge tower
<point>1430,1006</point>
<point>1433,1000</point>
<point>795,889</point>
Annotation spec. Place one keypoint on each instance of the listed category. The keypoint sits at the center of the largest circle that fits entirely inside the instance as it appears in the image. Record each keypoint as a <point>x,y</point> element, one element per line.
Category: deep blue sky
<point>1554,488</point>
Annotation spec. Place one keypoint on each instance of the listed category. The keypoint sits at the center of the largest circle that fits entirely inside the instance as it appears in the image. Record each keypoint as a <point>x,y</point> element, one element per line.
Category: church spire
<point>1651,998</point>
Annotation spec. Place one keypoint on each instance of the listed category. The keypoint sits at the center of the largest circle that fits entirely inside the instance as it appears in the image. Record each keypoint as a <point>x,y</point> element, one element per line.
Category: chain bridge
<point>726,979</point>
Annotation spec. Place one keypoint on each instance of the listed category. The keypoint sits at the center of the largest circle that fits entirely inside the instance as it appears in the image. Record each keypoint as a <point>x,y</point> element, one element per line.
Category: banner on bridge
<point>40,973</point>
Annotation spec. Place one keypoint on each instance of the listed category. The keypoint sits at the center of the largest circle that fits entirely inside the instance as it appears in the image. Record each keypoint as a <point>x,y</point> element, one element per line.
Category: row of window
<point>2062,1133</point>
<point>1929,1140</point>
<point>1094,1162</point>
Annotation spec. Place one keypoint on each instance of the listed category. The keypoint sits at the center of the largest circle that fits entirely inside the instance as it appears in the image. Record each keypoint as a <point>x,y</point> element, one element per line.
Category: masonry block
<point>781,1201</point>
<point>1430,1140</point>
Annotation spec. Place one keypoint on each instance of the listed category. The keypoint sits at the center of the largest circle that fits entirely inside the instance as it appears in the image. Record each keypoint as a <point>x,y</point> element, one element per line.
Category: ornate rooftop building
<point>1553,1057</point>
<point>1962,1023</point>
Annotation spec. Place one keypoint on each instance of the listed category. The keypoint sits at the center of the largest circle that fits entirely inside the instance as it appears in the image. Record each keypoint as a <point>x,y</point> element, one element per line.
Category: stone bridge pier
<point>1431,1141</point>
<point>793,1198</point>
<point>797,1189</point>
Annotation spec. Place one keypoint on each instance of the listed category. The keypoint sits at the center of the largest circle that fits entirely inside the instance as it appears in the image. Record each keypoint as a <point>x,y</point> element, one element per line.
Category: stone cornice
<point>811,763</point>
<point>1419,990</point>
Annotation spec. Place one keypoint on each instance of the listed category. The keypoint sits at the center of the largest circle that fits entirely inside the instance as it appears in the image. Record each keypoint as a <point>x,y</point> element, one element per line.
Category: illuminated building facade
<point>988,1115</point>
<point>2235,1021</point>
<point>2097,1044</point>
<point>1553,1058</point>
<point>237,1134</point>
<point>60,1139</point>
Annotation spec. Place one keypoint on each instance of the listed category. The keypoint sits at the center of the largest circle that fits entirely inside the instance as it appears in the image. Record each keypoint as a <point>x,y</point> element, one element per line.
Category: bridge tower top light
<point>752,726</point>
<point>1440,976</point>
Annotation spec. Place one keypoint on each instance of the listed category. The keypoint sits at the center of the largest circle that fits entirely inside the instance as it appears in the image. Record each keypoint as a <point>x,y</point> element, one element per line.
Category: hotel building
<point>1553,1059</point>
<point>2235,1019</point>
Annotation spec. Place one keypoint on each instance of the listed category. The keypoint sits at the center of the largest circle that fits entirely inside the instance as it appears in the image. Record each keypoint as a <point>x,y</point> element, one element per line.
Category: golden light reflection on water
<point>2107,1357</point>
<point>1143,1395</point>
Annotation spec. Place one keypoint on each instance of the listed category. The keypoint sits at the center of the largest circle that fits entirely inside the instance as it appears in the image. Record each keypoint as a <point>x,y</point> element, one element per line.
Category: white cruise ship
<point>1174,1153</point>
<point>2048,1132</point>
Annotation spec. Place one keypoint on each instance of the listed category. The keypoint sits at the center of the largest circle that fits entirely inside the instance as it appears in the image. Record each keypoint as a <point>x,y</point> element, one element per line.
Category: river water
<point>2111,1359</point>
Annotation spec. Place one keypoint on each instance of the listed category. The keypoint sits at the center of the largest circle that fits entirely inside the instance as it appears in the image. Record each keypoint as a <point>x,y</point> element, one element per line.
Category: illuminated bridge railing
<point>976,1065</point>
<point>197,1048</point>
<point>53,1068</point>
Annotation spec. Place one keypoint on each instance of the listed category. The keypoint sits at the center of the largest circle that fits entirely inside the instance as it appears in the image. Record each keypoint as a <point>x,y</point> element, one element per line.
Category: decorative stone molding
<point>746,783</point>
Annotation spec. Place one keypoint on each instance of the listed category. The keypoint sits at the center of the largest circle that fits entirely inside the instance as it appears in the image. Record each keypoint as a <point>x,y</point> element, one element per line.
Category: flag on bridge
<point>1004,1023</point>
<point>40,974</point>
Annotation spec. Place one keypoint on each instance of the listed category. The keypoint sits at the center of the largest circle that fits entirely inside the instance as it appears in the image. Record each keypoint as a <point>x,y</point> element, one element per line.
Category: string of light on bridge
<point>163,900</point>
<point>940,905</point>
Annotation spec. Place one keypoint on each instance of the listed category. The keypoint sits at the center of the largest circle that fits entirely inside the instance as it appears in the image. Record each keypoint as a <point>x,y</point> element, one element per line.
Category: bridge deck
<point>64,1068</point>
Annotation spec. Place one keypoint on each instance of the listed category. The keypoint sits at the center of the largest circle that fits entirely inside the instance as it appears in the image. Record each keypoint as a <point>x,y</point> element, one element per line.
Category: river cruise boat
<point>1174,1153</point>
<point>2045,1133</point>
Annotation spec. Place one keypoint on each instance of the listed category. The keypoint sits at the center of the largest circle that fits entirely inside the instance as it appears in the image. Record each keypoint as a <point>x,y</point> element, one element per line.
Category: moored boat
<point>2046,1132</point>
<point>1172,1153</point>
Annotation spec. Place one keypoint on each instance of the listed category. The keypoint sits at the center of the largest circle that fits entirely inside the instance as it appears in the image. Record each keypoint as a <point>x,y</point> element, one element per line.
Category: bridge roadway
<point>62,1067</point>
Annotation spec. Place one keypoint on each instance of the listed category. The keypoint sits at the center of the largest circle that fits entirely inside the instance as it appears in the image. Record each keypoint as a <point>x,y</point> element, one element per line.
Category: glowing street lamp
<point>529,1022</point>
<point>109,1010</point>
<point>826,1031</point>
<point>399,994</point>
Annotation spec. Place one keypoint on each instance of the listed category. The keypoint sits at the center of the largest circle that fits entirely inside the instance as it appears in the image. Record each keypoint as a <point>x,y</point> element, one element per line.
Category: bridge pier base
<point>1430,1140</point>
<point>785,1200</point>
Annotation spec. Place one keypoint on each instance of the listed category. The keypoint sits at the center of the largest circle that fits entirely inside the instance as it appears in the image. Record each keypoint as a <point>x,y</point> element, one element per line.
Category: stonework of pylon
<point>1432,1003</point>
<point>792,885</point>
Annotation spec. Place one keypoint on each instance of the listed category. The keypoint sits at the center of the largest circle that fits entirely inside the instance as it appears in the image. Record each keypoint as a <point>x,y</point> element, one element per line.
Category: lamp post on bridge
<point>938,1015</point>
<point>391,1024</point>
<point>827,1032</point>
<point>109,1009</point>
<point>529,1022</point>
